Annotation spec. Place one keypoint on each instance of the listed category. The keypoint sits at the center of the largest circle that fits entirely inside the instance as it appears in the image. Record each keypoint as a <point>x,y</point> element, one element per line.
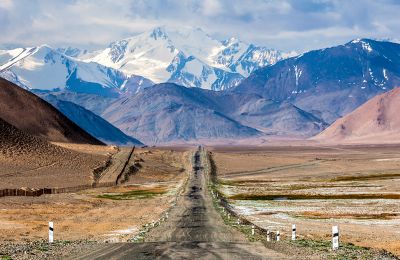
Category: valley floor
<point>355,187</point>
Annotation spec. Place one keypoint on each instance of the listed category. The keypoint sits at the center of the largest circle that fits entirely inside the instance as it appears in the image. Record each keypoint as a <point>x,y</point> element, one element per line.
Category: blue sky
<point>298,25</point>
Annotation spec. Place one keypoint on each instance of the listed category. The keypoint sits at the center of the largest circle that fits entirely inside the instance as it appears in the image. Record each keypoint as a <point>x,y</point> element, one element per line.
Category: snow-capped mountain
<point>45,68</point>
<point>185,56</point>
<point>331,82</point>
<point>244,58</point>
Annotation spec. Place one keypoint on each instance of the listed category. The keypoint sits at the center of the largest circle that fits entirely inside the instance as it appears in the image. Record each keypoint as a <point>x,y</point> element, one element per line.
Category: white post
<point>238,221</point>
<point>166,215</point>
<point>278,236</point>
<point>293,232</point>
<point>229,216</point>
<point>268,236</point>
<point>252,230</point>
<point>51,232</point>
<point>335,237</point>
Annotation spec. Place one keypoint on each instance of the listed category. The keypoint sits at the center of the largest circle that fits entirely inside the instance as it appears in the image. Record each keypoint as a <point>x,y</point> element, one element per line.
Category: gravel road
<point>193,230</point>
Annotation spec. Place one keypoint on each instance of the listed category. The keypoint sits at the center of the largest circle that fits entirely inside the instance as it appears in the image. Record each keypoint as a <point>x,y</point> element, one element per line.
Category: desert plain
<point>105,214</point>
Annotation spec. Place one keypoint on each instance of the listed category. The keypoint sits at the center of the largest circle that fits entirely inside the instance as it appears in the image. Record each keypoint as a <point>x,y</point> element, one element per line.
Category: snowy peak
<point>30,68</point>
<point>186,56</point>
<point>158,32</point>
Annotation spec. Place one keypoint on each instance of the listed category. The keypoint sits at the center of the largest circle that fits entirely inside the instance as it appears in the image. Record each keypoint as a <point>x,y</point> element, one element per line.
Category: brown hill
<point>35,116</point>
<point>30,161</point>
<point>376,121</point>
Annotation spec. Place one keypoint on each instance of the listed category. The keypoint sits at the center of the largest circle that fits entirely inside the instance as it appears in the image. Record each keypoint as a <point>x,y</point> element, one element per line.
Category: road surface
<point>194,230</point>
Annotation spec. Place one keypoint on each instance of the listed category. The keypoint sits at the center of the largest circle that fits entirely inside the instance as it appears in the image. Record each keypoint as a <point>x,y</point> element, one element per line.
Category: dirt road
<point>194,230</point>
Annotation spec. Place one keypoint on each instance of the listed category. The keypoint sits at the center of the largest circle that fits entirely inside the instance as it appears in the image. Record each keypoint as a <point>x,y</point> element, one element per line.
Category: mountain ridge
<point>330,82</point>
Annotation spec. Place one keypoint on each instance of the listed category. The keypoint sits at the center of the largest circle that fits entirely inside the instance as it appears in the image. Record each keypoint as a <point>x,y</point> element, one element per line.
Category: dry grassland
<point>356,187</point>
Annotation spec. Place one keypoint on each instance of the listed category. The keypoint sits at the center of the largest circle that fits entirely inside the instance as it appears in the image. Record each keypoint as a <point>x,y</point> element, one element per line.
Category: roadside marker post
<point>335,237</point>
<point>238,221</point>
<point>268,236</point>
<point>51,232</point>
<point>293,232</point>
<point>252,230</point>
<point>229,216</point>
<point>278,236</point>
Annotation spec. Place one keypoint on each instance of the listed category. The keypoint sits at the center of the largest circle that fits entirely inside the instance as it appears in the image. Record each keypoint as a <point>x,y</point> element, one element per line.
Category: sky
<point>287,25</point>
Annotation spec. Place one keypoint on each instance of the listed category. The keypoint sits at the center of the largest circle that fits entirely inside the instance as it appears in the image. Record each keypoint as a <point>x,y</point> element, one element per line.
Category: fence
<point>35,192</point>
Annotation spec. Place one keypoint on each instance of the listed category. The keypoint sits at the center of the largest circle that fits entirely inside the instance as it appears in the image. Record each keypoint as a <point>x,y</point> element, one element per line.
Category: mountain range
<point>169,112</point>
<point>186,56</point>
<point>282,96</point>
<point>332,82</point>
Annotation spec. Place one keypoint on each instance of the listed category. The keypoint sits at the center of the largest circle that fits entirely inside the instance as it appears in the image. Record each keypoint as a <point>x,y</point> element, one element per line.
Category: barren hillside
<point>35,116</point>
<point>29,161</point>
<point>376,121</point>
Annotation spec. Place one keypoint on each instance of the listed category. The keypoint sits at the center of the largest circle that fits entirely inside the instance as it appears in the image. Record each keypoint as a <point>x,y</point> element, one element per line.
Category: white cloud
<point>283,24</point>
<point>6,4</point>
<point>211,7</point>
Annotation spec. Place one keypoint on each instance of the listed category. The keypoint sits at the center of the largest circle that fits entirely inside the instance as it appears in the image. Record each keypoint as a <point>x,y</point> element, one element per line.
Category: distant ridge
<point>169,112</point>
<point>35,116</point>
<point>90,122</point>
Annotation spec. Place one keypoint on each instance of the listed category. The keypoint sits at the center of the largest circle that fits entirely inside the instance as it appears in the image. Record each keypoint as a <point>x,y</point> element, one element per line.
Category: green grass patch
<point>131,195</point>
<point>5,257</point>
